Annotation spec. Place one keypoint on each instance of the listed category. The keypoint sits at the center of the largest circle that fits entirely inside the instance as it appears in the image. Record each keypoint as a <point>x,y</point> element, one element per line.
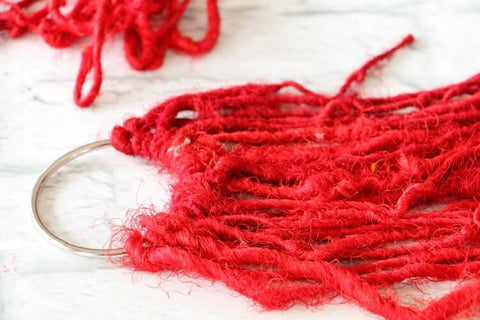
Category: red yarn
<point>294,198</point>
<point>150,27</point>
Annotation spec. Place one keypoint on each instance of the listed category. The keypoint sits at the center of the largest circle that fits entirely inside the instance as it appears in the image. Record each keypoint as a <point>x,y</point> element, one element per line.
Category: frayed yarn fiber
<point>297,197</point>
<point>149,28</point>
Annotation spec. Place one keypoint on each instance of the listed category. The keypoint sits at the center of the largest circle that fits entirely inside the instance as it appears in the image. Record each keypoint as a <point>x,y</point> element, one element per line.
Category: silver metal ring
<point>39,185</point>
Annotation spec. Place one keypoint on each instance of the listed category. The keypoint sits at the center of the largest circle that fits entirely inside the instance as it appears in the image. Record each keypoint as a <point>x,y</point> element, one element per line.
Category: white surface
<point>314,42</point>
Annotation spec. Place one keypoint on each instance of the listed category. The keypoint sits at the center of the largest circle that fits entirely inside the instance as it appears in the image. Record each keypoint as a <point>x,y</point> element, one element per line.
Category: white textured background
<point>317,43</point>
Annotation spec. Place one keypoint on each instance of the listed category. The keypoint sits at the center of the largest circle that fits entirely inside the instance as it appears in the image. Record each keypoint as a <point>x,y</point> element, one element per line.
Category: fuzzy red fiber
<point>297,198</point>
<point>150,27</point>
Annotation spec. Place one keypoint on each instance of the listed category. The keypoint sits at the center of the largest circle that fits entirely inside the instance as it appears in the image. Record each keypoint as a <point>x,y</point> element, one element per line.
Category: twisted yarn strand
<point>298,197</point>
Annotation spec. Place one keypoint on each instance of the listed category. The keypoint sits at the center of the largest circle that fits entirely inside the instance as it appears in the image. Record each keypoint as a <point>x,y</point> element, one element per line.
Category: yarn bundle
<point>150,28</point>
<point>297,197</point>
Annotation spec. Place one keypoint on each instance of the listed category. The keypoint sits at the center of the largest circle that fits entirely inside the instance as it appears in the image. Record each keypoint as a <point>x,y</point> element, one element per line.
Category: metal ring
<point>39,185</point>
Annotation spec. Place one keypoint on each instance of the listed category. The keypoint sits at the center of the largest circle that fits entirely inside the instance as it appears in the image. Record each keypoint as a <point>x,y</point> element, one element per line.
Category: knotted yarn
<point>298,197</point>
<point>150,28</point>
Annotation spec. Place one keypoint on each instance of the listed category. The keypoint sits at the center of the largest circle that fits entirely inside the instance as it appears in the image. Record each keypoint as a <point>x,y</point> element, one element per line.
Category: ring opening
<point>39,188</point>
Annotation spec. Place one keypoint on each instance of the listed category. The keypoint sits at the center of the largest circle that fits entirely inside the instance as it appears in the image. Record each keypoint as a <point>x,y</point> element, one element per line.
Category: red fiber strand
<point>296,198</point>
<point>150,27</point>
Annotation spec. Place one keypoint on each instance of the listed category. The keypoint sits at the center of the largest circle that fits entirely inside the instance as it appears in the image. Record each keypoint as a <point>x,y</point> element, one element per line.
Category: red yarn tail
<point>359,75</point>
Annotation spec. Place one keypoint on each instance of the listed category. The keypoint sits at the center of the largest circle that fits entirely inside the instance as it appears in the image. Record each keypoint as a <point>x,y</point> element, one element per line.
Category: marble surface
<point>317,43</point>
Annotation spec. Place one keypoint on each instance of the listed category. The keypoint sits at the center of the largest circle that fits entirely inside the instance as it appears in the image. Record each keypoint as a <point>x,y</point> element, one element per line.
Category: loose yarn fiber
<point>297,198</point>
<point>150,27</point>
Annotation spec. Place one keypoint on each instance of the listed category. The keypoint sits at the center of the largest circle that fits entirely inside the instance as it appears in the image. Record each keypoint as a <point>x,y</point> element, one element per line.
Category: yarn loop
<point>150,27</point>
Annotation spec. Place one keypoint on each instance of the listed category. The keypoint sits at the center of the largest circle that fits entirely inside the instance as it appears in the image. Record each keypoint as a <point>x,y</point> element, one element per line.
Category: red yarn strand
<point>359,75</point>
<point>150,28</point>
<point>296,198</point>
